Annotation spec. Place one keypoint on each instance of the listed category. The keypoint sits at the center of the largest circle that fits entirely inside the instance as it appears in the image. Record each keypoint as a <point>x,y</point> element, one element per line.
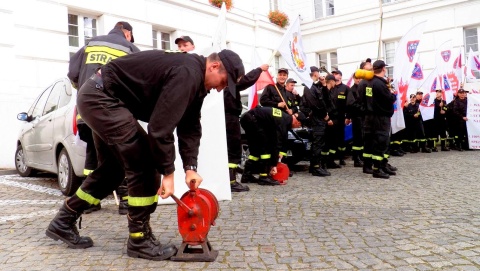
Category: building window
<point>471,41</point>
<point>389,49</point>
<point>81,29</point>
<point>277,63</point>
<point>323,8</point>
<point>161,40</point>
<point>273,5</point>
<point>387,1</point>
<point>328,60</point>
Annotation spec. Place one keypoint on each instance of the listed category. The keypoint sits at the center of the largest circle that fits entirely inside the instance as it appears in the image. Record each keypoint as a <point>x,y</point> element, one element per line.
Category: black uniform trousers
<point>234,139</point>
<point>335,138</point>
<point>318,142</point>
<point>416,133</point>
<point>86,135</point>
<point>429,129</point>
<point>123,151</point>
<point>357,132</point>
<point>377,137</point>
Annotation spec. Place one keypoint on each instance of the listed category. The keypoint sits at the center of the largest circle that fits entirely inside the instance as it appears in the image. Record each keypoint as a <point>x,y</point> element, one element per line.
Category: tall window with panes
<point>472,40</point>
<point>161,40</point>
<point>389,53</point>
<point>273,5</point>
<point>328,60</point>
<point>323,8</point>
<point>81,29</point>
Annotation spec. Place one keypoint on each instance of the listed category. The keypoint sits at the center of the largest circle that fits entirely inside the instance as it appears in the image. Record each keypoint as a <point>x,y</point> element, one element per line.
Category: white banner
<point>473,122</point>
<point>292,52</point>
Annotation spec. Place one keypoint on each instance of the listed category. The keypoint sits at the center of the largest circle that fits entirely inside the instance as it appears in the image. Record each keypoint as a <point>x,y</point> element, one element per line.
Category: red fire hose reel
<point>196,211</point>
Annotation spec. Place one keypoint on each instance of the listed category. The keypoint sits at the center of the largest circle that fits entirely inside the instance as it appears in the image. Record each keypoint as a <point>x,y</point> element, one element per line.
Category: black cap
<point>363,63</point>
<point>438,90</point>
<point>314,69</point>
<point>461,90</point>
<point>379,64</point>
<point>285,70</point>
<point>337,71</point>
<point>127,26</point>
<point>330,77</point>
<point>184,38</point>
<point>234,66</point>
<point>301,117</point>
<point>412,95</point>
<point>419,92</point>
<point>291,80</point>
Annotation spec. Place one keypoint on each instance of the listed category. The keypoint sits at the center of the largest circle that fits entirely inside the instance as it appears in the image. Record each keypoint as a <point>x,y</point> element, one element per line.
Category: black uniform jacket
<point>338,96</point>
<point>271,98</point>
<point>436,113</point>
<point>276,124</point>
<point>313,104</point>
<point>378,98</point>
<point>409,112</point>
<point>234,105</point>
<point>167,91</point>
<point>97,52</point>
<point>460,108</point>
<point>355,106</point>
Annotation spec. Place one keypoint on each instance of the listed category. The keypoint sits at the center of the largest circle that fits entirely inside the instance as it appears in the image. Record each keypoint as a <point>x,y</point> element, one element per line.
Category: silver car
<point>47,140</point>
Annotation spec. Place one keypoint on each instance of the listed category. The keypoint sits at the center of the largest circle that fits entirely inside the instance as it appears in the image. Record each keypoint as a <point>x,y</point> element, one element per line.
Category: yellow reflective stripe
<point>106,50</point>
<point>253,158</point>
<point>136,234</point>
<point>142,201</point>
<point>386,155</point>
<point>262,174</point>
<point>333,151</point>
<point>368,92</point>
<point>87,197</point>
<point>341,148</point>
<point>232,165</point>
<point>357,148</point>
<point>79,117</point>
<point>87,172</point>
<point>265,156</point>
<point>283,153</point>
<point>366,155</point>
<point>341,96</point>
<point>324,153</point>
<point>125,198</point>
<point>396,142</point>
<point>376,157</point>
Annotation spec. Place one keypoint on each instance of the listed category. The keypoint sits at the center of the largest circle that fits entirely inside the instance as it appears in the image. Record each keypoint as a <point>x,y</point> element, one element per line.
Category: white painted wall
<point>34,41</point>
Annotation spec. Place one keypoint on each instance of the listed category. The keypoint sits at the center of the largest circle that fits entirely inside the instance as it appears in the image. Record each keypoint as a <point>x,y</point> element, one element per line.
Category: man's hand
<point>193,175</point>
<point>264,67</point>
<point>348,121</point>
<point>465,118</point>
<point>167,187</point>
<point>273,171</point>
<point>290,111</point>
<point>442,111</point>
<point>294,91</point>
<point>281,105</point>
<point>330,123</point>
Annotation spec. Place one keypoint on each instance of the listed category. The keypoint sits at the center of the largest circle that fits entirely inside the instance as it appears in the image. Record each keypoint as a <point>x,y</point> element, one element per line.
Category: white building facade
<point>40,35</point>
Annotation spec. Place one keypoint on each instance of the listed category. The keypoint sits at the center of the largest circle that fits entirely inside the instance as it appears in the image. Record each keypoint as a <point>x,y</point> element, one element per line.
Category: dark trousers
<point>357,131</point>
<point>86,134</point>
<point>377,137</point>
<point>318,142</point>
<point>234,138</point>
<point>259,145</point>
<point>123,151</point>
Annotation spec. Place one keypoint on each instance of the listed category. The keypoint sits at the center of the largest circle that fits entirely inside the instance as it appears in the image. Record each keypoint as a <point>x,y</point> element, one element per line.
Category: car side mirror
<point>22,116</point>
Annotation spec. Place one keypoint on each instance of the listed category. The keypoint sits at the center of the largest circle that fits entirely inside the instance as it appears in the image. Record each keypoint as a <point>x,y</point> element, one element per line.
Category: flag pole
<point>381,26</point>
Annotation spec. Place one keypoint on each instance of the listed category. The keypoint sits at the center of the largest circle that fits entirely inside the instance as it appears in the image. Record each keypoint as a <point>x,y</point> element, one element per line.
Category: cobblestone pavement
<point>425,218</point>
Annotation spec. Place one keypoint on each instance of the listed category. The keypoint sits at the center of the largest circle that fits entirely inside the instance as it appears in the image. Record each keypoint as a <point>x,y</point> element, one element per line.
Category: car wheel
<point>67,180</point>
<point>20,164</point>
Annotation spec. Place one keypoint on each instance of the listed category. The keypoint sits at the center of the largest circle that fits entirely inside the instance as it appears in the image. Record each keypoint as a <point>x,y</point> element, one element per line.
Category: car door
<point>29,131</point>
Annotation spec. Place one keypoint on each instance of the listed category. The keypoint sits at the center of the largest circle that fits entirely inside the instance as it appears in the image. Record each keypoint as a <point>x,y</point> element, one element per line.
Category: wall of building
<point>34,42</point>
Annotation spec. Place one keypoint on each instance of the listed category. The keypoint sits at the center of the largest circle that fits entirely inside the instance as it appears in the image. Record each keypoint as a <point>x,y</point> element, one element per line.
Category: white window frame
<point>273,5</point>
<point>328,63</point>
<point>321,8</point>
<point>81,30</point>
<point>476,50</point>
<point>389,55</point>
<point>161,40</point>
<point>277,63</point>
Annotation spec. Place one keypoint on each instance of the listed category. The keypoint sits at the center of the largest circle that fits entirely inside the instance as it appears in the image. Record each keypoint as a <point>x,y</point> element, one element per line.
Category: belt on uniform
<point>97,78</point>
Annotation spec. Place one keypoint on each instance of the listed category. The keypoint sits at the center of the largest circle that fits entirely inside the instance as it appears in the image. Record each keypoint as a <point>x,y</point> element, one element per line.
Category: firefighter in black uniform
<point>451,126</point>
<point>339,99</point>
<point>85,62</point>
<point>379,101</point>
<point>233,109</point>
<point>440,121</point>
<point>167,91</point>
<point>293,98</point>
<point>266,129</point>
<point>330,149</point>
<point>356,111</point>
<point>428,127</point>
<point>460,121</point>
<point>414,125</point>
<point>276,95</point>
<point>314,107</point>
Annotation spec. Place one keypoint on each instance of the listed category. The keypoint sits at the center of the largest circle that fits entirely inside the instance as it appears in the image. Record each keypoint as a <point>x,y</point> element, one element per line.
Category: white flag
<point>473,64</point>
<point>292,52</point>
<point>446,60</point>
<point>405,59</point>
<point>429,87</point>
<point>219,39</point>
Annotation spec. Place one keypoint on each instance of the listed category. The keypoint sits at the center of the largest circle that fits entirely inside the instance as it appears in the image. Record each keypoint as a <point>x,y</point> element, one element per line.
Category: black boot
<point>387,168</point>
<point>247,176</point>
<point>93,208</point>
<point>356,159</point>
<point>143,244</point>
<point>63,227</point>
<point>317,170</point>
<point>122,194</point>
<point>378,171</point>
<point>265,178</point>
<point>234,185</point>
<point>331,163</point>
<point>367,165</point>
<point>323,166</point>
